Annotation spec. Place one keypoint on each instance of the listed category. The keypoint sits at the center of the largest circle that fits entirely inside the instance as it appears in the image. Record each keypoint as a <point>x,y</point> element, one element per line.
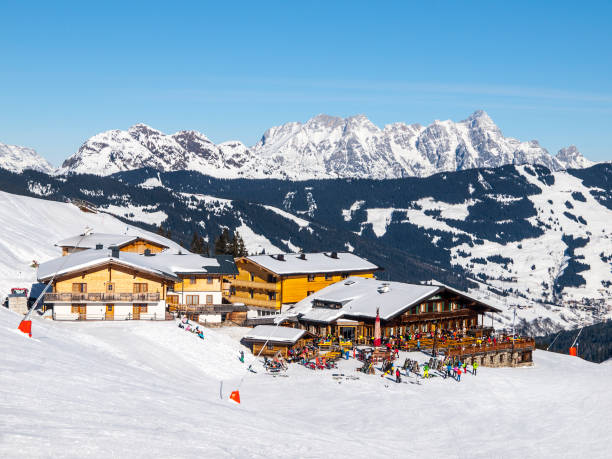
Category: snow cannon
<point>25,326</point>
<point>235,396</point>
<point>573,351</point>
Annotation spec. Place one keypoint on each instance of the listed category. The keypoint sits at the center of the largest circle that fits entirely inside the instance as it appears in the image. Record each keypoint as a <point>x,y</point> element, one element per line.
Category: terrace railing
<point>255,284</point>
<point>96,297</point>
<point>102,316</point>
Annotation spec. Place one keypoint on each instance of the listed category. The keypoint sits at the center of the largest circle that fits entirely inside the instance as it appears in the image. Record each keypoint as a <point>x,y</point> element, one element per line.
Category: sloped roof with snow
<point>162,264</point>
<point>274,334</point>
<point>361,297</point>
<point>107,240</point>
<point>321,262</point>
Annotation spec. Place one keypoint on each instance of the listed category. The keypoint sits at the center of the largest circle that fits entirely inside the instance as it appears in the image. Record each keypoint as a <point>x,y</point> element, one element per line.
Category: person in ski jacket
<point>458,374</point>
<point>464,367</point>
<point>448,369</point>
<point>418,344</point>
<point>398,376</point>
<point>474,368</point>
<point>241,356</point>
<point>426,371</point>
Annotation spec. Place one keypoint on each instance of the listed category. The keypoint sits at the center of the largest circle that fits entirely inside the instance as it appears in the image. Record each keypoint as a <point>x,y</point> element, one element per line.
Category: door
<point>110,312</point>
<point>81,310</point>
<point>138,310</point>
<point>347,333</point>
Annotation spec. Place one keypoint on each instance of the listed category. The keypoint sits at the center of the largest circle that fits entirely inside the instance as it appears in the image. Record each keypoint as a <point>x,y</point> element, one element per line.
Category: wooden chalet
<point>268,284</point>
<point>125,243</point>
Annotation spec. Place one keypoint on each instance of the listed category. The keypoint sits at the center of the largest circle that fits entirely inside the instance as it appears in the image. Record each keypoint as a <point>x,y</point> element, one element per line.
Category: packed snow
<point>150,389</point>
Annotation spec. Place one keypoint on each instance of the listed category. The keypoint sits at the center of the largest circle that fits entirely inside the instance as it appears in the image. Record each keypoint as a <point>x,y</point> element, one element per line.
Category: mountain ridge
<point>322,147</point>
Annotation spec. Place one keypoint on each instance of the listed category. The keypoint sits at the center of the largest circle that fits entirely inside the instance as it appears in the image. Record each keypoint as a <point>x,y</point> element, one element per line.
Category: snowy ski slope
<point>142,389</point>
<point>32,226</point>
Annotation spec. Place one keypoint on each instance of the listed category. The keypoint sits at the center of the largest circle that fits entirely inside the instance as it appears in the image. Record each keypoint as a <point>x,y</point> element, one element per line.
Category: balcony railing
<point>104,316</point>
<point>271,304</point>
<point>102,297</point>
<point>206,308</point>
<point>255,284</point>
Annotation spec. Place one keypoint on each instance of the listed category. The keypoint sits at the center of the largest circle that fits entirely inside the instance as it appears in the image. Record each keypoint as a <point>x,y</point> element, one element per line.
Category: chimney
<point>99,246</point>
<point>302,256</point>
<point>114,251</point>
<point>334,255</point>
<point>280,257</point>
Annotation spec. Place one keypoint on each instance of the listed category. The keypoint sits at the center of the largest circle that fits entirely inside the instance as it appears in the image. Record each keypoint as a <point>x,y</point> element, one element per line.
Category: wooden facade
<point>444,311</point>
<point>257,286</point>
<point>138,245</point>
<point>271,348</point>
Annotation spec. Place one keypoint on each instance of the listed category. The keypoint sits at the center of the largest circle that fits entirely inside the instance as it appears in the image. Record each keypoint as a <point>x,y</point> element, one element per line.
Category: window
<point>311,278</point>
<point>271,279</point>
<point>310,292</point>
<point>193,299</point>
<point>232,290</point>
<point>270,346</point>
<point>192,280</point>
<point>328,276</point>
<point>251,293</point>
<point>140,287</point>
<point>209,299</point>
<point>272,296</point>
<point>209,280</point>
<point>109,308</point>
<point>110,287</point>
<point>344,275</point>
<point>79,288</point>
<point>252,277</point>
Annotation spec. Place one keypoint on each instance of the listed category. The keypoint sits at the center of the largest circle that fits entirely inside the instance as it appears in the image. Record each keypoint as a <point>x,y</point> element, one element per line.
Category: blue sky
<point>542,70</point>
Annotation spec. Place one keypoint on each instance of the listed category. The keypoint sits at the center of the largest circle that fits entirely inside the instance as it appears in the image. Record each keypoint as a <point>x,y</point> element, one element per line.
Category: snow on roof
<point>274,334</point>
<point>361,297</point>
<point>92,257</point>
<point>321,262</point>
<point>91,240</point>
<point>166,264</point>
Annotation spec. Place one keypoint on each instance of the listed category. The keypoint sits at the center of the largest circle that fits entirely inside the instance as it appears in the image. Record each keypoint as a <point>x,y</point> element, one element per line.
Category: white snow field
<point>31,227</point>
<point>144,389</point>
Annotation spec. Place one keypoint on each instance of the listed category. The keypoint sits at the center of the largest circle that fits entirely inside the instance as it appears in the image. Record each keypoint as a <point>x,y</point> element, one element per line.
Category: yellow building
<point>269,283</point>
<point>125,243</point>
<point>108,284</point>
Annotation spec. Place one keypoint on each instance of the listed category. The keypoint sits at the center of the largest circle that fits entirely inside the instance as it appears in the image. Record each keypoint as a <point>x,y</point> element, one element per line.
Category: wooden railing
<point>206,308</point>
<point>255,284</point>
<point>485,347</point>
<point>104,316</point>
<point>437,315</point>
<point>271,304</point>
<point>102,297</point>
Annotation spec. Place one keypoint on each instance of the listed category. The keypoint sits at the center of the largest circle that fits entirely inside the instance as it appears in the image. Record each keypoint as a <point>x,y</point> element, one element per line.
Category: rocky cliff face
<point>322,147</point>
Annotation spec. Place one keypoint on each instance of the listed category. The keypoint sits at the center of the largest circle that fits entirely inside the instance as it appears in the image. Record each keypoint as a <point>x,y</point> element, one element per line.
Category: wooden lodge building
<point>113,284</point>
<point>124,242</point>
<point>268,284</point>
<point>348,309</point>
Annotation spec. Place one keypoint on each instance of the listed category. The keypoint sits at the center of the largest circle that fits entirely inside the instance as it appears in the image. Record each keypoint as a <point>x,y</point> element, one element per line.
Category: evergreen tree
<point>197,244</point>
<point>222,243</point>
<point>239,249</point>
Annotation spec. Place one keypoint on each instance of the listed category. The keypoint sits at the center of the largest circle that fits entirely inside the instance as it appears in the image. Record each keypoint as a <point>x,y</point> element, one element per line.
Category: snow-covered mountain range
<point>322,147</point>
<point>17,159</point>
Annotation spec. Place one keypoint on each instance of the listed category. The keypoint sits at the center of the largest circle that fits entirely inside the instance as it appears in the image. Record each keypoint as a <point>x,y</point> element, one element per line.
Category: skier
<point>426,371</point>
<point>398,376</point>
<point>458,374</point>
<point>448,369</point>
<point>418,344</point>
<point>464,367</point>
<point>242,356</point>
<point>474,368</point>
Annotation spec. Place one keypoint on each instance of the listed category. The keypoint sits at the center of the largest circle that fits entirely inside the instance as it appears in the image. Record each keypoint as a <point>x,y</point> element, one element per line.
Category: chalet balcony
<point>102,297</point>
<point>271,304</point>
<point>255,284</point>
<point>206,308</point>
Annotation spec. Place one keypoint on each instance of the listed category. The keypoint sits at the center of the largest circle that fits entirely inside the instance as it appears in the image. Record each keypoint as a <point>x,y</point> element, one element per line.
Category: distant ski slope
<point>31,227</point>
